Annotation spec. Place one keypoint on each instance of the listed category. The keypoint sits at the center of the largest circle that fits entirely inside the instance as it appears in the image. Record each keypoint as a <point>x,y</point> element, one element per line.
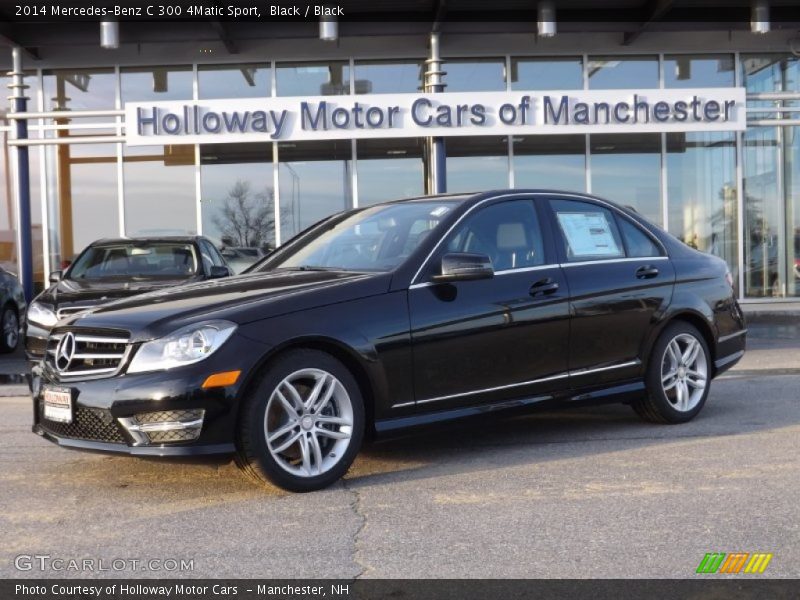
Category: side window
<point>589,231</point>
<point>637,241</point>
<point>205,253</point>
<point>507,232</point>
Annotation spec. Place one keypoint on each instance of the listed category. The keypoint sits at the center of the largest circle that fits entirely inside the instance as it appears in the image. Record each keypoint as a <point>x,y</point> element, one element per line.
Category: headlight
<point>41,315</point>
<point>183,347</point>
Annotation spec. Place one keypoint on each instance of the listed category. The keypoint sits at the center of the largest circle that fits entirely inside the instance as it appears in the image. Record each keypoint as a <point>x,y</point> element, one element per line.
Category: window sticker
<point>588,234</point>
<point>439,211</point>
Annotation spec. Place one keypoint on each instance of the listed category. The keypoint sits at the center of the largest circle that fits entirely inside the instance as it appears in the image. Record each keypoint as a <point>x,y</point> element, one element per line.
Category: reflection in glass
<point>159,190</point>
<point>234,81</point>
<point>626,168</point>
<point>237,200</point>
<point>315,181</point>
<point>475,75</point>
<point>313,79</point>
<point>703,70</point>
<point>791,174</point>
<point>80,89</point>
<point>83,193</point>
<point>555,162</point>
<point>388,77</point>
<point>389,169</point>
<point>477,163</point>
<point>140,84</point>
<point>623,72</point>
<point>553,73</point>
<point>701,186</point>
<point>772,225</point>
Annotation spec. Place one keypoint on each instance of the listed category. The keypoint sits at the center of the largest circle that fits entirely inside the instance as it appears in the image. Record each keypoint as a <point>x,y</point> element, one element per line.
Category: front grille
<point>94,424</point>
<point>177,435</point>
<point>94,354</point>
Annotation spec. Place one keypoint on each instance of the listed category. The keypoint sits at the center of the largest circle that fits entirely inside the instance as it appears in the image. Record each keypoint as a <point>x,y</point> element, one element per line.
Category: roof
<point>147,239</point>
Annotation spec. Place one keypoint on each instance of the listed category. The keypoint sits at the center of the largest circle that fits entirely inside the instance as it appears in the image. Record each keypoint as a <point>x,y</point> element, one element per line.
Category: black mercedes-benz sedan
<point>117,268</point>
<point>393,316</point>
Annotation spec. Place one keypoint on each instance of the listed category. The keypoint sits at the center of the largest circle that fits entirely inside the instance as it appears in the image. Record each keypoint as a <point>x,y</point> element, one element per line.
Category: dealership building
<point>249,131</point>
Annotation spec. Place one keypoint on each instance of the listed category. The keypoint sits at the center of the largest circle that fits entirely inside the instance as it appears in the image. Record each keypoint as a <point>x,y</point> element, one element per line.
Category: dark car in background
<point>110,269</point>
<point>12,311</point>
<point>392,316</point>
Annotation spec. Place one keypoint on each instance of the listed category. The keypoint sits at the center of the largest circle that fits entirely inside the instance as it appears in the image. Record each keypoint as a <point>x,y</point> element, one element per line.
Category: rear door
<point>620,281</point>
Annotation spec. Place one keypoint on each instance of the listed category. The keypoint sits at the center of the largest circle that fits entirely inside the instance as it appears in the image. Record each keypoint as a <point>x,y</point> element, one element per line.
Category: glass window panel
<point>159,190</point>
<point>791,170</point>
<point>557,73</point>
<point>396,160</point>
<point>237,200</point>
<point>80,89</point>
<point>313,79</point>
<point>141,84</point>
<point>704,70</point>
<point>83,192</point>
<point>637,242</point>
<point>475,75</point>
<point>622,72</point>
<point>476,163</point>
<point>384,77</point>
<point>315,181</point>
<point>555,162</point>
<point>234,81</point>
<point>701,187</point>
<point>626,169</point>
<point>763,257</point>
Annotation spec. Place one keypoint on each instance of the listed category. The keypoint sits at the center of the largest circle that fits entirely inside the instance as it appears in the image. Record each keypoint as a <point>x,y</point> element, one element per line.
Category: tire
<point>677,381</point>
<point>312,443</point>
<point>9,330</point>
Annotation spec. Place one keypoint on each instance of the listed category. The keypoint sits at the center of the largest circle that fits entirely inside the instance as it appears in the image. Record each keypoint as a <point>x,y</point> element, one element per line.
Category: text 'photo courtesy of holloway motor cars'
<point>394,316</point>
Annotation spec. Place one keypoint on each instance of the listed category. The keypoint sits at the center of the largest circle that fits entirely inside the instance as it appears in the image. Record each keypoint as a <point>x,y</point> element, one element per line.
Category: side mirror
<point>55,276</point>
<point>464,267</point>
<point>218,271</point>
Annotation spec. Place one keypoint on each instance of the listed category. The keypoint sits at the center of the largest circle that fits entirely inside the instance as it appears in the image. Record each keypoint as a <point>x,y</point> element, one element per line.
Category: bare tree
<point>246,218</point>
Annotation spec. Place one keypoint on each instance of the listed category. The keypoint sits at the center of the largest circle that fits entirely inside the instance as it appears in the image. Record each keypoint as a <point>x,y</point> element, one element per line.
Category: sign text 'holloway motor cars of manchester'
<point>411,115</point>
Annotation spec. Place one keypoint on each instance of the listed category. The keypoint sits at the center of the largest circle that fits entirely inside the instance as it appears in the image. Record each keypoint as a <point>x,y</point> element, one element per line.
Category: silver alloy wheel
<point>684,372</point>
<point>308,422</point>
<point>10,328</point>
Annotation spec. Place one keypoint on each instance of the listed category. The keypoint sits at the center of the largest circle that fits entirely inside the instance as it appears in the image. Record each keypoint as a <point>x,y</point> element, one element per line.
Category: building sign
<point>445,114</point>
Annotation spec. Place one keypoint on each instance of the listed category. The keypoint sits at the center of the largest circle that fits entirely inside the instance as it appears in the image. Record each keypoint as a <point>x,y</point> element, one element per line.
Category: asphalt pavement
<point>589,492</point>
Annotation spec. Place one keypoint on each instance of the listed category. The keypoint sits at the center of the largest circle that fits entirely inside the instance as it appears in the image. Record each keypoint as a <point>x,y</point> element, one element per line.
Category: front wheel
<point>302,424</point>
<point>9,338</point>
<point>678,376</point>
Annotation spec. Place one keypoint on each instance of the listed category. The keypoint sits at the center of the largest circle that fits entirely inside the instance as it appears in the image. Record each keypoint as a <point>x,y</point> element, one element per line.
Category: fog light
<point>164,427</point>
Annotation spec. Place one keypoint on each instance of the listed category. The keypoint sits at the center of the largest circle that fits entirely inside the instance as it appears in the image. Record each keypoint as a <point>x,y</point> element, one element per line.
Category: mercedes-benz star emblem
<point>65,351</point>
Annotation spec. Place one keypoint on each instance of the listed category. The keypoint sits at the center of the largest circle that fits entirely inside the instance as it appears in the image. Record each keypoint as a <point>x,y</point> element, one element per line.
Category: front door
<point>492,339</point>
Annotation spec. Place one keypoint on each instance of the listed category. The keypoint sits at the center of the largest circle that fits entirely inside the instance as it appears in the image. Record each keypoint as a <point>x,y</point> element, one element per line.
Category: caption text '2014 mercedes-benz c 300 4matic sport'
<point>394,316</point>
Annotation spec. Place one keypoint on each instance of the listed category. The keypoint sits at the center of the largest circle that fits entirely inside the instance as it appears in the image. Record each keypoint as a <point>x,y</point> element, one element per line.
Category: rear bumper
<point>730,349</point>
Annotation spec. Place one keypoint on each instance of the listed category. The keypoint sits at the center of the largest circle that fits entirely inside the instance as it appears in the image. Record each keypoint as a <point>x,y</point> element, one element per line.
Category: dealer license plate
<point>58,405</point>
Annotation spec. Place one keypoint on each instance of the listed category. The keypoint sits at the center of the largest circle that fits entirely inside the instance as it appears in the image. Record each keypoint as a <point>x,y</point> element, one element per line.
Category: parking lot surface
<point>589,492</point>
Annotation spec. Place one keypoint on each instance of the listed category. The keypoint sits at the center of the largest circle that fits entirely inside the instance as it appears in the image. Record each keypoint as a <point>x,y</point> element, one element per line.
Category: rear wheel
<point>302,424</point>
<point>9,330</point>
<point>678,376</point>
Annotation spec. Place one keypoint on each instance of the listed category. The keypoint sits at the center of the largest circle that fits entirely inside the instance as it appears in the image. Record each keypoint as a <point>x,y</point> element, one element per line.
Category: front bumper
<point>111,414</point>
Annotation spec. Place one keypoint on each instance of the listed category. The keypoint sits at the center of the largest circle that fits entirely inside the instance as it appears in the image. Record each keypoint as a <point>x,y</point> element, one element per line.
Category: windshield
<point>375,239</point>
<point>136,260</point>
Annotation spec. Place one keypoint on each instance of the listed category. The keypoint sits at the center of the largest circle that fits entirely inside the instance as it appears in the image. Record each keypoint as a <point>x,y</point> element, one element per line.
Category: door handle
<point>544,286</point>
<point>646,272</point>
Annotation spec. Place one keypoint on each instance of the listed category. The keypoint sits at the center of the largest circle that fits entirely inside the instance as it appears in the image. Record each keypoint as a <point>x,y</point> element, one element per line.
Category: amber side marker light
<point>221,379</point>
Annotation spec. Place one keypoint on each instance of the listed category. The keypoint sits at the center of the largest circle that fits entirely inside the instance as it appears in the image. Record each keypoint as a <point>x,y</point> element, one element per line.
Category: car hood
<point>240,298</point>
<point>89,293</point>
